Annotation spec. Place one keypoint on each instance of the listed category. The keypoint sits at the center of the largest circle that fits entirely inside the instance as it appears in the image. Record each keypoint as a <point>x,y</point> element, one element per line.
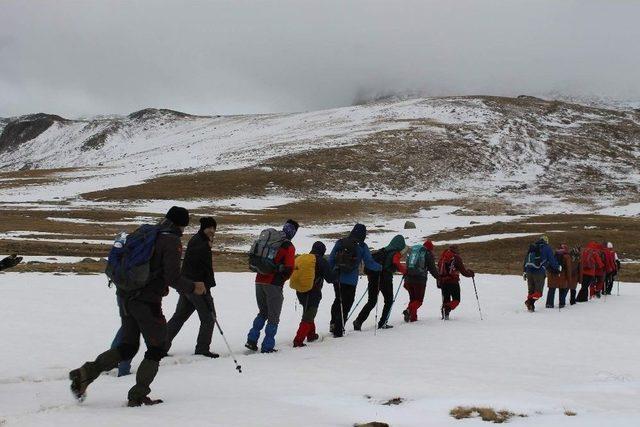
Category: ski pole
<point>618,286</point>
<point>375,327</point>
<point>343,331</point>
<point>353,310</point>
<point>477,299</point>
<point>238,366</point>
<point>395,296</point>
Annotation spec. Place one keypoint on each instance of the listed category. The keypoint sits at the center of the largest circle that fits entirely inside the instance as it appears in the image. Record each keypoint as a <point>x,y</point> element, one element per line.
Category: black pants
<point>187,304</point>
<point>310,302</point>
<point>346,294</point>
<point>374,286</point>
<point>450,296</point>
<point>583,295</point>
<point>608,282</point>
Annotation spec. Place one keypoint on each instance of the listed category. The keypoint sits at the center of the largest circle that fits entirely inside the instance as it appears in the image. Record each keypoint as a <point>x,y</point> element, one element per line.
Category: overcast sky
<point>91,57</point>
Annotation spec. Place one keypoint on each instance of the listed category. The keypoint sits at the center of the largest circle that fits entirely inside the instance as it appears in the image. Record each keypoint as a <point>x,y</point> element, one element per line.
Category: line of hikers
<point>595,267</point>
<point>144,264</point>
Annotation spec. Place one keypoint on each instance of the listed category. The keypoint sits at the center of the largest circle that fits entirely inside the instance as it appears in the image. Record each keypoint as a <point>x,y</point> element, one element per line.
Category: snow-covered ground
<point>583,359</point>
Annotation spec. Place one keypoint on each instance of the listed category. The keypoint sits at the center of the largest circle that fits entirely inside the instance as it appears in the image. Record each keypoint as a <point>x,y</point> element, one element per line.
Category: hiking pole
<point>395,296</point>
<point>353,310</point>
<point>375,327</point>
<point>238,367</point>
<point>343,330</point>
<point>618,286</point>
<point>477,299</point>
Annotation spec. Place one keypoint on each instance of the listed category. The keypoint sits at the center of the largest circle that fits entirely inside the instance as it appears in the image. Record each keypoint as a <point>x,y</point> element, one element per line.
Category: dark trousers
<point>562,296</point>
<point>608,281</point>
<point>450,296</point>
<point>583,295</point>
<point>124,367</point>
<point>310,302</point>
<point>377,285</point>
<point>345,294</point>
<point>187,304</point>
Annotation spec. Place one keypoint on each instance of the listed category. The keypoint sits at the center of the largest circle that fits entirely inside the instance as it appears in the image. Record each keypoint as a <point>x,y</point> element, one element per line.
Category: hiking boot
<point>267,351</point>
<point>407,316</point>
<point>598,295</point>
<point>79,383</point>
<point>207,354</point>
<point>331,327</point>
<point>251,345</point>
<point>549,306</point>
<point>357,326</point>
<point>385,326</point>
<point>298,344</point>
<point>529,304</point>
<point>313,337</point>
<point>562,305</point>
<point>146,401</point>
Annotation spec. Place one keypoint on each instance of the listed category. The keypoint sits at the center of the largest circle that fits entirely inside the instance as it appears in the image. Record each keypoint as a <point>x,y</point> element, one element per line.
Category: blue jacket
<point>364,255</point>
<point>547,259</point>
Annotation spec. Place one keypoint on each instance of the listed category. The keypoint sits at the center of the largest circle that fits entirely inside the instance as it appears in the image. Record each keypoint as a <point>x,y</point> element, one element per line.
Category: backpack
<point>128,264</point>
<point>534,257</point>
<point>347,256</point>
<point>589,259</point>
<point>447,265</point>
<point>417,261</point>
<point>263,251</point>
<point>304,273</point>
<point>379,256</point>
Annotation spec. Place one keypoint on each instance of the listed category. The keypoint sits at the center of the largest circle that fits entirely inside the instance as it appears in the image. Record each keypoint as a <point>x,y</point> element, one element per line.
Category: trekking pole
<point>375,327</point>
<point>238,367</point>
<point>343,331</point>
<point>395,296</point>
<point>477,299</point>
<point>618,286</point>
<point>353,310</point>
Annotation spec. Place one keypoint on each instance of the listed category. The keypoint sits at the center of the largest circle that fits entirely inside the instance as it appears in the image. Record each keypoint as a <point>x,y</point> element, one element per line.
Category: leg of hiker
<point>207,314</point>
<point>373,288</point>
<point>274,299</point>
<point>551,295</point>
<point>184,310</point>
<point>261,318</point>
<point>124,366</point>
<point>416,300</point>
<point>348,297</point>
<point>386,288</point>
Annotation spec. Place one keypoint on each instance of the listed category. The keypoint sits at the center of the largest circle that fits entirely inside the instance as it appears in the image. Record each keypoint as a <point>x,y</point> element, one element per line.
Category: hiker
<point>346,256</point>
<point>562,280</point>
<point>575,254</point>
<point>273,258</point>
<point>590,264</point>
<point>450,267</point>
<point>9,262</point>
<point>382,282</point>
<point>420,262</point>
<point>612,266</point>
<point>311,270</point>
<point>540,258</point>
<point>197,266</point>
<point>141,311</point>
<point>599,285</point>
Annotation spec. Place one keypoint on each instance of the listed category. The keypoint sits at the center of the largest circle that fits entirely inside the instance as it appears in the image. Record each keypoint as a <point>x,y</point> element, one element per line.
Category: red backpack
<point>447,265</point>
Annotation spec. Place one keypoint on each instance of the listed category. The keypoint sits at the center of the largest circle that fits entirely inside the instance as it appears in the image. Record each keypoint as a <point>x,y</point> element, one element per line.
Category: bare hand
<point>199,288</point>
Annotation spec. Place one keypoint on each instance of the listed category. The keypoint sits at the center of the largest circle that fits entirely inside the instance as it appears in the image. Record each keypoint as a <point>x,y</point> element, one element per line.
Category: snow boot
<point>312,335</point>
<point>207,354</point>
<point>303,331</point>
<point>270,350</point>
<point>297,344</point>
<point>251,345</point>
<point>357,326</point>
<point>549,306</point>
<point>385,326</point>
<point>87,373</point>
<point>406,315</point>
<point>146,401</point>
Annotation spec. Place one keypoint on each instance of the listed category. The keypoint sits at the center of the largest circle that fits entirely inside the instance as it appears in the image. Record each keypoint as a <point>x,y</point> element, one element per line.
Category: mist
<point>80,58</point>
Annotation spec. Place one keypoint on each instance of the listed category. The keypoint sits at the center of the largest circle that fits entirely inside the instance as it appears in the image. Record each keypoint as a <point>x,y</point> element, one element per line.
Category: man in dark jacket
<point>141,313</point>
<point>269,294</point>
<point>311,300</point>
<point>415,282</point>
<point>197,266</point>
<point>540,259</point>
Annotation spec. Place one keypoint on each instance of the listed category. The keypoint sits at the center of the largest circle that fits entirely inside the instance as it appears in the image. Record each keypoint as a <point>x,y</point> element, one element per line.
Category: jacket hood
<point>397,244</point>
<point>428,245</point>
<point>318,248</point>
<point>359,232</point>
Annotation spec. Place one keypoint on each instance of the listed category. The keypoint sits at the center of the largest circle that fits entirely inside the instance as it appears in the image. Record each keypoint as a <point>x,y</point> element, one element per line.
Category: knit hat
<point>318,248</point>
<point>290,228</point>
<point>428,245</point>
<point>359,232</point>
<point>178,215</point>
<point>609,245</point>
<point>208,222</point>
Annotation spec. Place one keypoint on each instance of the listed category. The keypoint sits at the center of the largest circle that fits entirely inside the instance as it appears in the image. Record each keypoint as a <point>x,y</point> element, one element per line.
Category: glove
<point>473,273</point>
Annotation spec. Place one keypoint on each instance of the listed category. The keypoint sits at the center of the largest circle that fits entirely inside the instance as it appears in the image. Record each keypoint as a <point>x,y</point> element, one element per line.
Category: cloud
<point>222,57</point>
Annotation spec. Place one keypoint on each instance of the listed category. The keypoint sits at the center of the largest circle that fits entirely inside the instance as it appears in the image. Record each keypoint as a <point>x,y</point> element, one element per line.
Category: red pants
<point>416,296</point>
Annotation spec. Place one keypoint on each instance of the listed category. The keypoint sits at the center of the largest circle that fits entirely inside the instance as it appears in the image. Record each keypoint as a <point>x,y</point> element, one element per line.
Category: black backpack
<point>379,256</point>
<point>347,255</point>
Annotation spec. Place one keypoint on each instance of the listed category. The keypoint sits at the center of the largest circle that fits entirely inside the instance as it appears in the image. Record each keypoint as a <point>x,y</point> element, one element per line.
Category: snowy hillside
<point>539,364</point>
<point>463,145</point>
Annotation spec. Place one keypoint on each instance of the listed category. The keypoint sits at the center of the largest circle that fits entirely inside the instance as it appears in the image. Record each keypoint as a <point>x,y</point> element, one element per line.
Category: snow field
<point>582,359</point>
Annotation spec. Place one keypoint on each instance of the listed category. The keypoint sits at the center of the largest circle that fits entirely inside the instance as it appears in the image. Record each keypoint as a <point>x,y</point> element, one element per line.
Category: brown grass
<point>486,413</point>
<point>569,413</point>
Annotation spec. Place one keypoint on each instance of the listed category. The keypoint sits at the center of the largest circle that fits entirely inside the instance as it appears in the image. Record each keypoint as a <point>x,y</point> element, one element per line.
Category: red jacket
<point>591,261</point>
<point>402,268</point>
<point>286,258</point>
<point>610,265</point>
<point>450,267</point>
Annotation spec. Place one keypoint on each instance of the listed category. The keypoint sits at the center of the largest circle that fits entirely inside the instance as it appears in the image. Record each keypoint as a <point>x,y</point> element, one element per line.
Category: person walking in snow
<point>141,313</point>
<point>197,266</point>
<point>612,266</point>
<point>539,259</point>
<point>562,280</point>
<point>310,300</point>
<point>591,265</point>
<point>450,267</point>
<point>346,256</point>
<point>269,287</point>
<point>420,262</point>
<point>382,282</point>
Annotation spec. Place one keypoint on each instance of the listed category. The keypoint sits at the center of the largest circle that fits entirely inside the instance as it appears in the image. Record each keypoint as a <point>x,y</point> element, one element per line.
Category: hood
<point>318,248</point>
<point>359,232</point>
<point>428,245</point>
<point>397,244</point>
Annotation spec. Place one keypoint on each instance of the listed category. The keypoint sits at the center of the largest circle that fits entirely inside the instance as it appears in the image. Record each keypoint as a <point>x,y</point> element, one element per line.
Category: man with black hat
<point>141,313</point>
<point>198,266</point>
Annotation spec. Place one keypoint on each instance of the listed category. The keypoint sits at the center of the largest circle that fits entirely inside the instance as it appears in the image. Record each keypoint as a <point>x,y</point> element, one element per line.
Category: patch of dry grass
<point>485,413</point>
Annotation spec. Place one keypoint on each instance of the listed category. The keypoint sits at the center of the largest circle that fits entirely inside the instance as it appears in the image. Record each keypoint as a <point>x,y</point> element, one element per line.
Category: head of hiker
<point>428,245</point>
<point>178,216</point>
<point>208,226</point>
<point>397,244</point>
<point>318,248</point>
<point>290,228</point>
<point>359,232</point>
<point>544,238</point>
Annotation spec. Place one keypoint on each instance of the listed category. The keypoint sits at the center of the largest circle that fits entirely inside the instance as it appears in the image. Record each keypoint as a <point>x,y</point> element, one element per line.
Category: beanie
<point>179,216</point>
<point>208,222</point>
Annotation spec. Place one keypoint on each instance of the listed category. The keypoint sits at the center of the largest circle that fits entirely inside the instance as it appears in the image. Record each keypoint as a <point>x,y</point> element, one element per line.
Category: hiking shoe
<point>207,354</point>
<point>313,337</point>
<point>529,305</point>
<point>298,344</point>
<point>79,383</point>
<point>146,401</point>
<point>549,306</point>
<point>357,326</point>
<point>385,326</point>
<point>331,327</point>
<point>266,351</point>
<point>562,305</point>
<point>598,295</point>
<point>407,316</point>
<point>252,345</point>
